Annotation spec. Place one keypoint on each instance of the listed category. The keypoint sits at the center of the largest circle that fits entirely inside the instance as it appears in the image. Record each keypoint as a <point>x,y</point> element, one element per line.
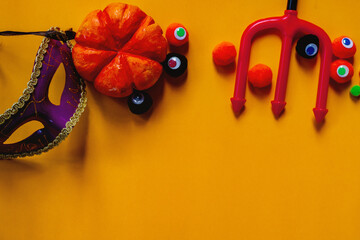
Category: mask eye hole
<point>347,42</point>
<point>24,130</point>
<point>57,83</point>
<point>308,46</point>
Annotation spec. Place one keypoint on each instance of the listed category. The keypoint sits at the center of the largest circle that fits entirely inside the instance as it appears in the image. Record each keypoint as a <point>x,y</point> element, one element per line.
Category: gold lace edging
<point>26,96</point>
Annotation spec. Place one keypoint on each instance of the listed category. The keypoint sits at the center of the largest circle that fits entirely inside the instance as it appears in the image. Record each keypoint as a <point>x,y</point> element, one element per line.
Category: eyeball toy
<point>260,76</point>
<point>139,102</point>
<point>308,46</point>
<point>177,35</point>
<point>341,71</point>
<point>343,47</point>
<point>175,64</point>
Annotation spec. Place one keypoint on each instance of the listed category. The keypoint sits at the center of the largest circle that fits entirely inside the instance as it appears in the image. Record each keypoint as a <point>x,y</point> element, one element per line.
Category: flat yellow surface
<point>190,170</point>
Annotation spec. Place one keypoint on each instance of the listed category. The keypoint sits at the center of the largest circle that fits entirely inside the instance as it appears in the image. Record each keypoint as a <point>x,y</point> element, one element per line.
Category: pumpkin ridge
<point>97,49</point>
<point>92,55</point>
<point>135,44</point>
<point>127,70</point>
<point>118,23</point>
<point>84,36</point>
<point>140,79</point>
<point>107,62</point>
<point>137,56</point>
<point>142,20</point>
<point>111,26</point>
<point>118,84</point>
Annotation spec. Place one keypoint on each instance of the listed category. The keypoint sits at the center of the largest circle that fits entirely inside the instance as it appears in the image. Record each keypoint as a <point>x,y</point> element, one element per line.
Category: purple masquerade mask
<point>34,104</point>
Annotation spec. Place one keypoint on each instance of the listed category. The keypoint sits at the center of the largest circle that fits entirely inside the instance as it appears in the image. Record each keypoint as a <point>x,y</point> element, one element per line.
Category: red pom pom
<point>260,76</point>
<point>177,35</point>
<point>341,71</point>
<point>343,47</point>
<point>224,53</point>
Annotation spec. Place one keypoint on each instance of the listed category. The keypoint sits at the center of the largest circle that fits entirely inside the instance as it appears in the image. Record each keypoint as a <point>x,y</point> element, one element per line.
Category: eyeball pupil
<point>172,63</point>
<point>346,41</point>
<point>180,31</point>
<point>311,49</point>
<point>138,98</point>
<point>342,71</point>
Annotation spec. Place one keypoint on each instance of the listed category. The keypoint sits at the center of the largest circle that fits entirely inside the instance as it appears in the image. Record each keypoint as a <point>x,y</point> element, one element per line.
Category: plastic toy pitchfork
<point>290,27</point>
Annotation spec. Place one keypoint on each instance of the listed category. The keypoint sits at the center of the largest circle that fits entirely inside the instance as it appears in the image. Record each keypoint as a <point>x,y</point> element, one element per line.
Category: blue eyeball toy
<point>344,47</point>
<point>308,46</point>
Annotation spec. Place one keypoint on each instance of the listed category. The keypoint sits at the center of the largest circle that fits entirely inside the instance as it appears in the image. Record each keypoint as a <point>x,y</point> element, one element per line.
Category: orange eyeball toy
<point>341,71</point>
<point>177,35</point>
<point>260,76</point>
<point>343,47</point>
<point>224,54</point>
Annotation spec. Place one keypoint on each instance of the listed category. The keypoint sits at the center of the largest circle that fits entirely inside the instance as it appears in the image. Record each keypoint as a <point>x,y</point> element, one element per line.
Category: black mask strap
<point>61,36</point>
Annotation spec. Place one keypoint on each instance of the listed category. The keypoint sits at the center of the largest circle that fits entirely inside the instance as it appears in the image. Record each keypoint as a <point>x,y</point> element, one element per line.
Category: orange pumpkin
<point>119,49</point>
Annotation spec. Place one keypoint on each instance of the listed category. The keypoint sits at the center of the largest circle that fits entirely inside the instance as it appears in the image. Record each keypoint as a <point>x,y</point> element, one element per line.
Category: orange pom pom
<point>341,71</point>
<point>343,47</point>
<point>224,53</point>
<point>177,35</point>
<point>260,76</point>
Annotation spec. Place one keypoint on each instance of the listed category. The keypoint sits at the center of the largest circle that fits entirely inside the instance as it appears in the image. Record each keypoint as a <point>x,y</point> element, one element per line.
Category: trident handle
<point>291,5</point>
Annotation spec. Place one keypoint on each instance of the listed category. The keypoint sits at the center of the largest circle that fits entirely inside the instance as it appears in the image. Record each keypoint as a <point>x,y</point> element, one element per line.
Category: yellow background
<point>190,170</point>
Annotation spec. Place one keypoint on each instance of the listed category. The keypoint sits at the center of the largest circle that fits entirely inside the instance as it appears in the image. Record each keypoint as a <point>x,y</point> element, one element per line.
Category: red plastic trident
<point>290,27</point>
